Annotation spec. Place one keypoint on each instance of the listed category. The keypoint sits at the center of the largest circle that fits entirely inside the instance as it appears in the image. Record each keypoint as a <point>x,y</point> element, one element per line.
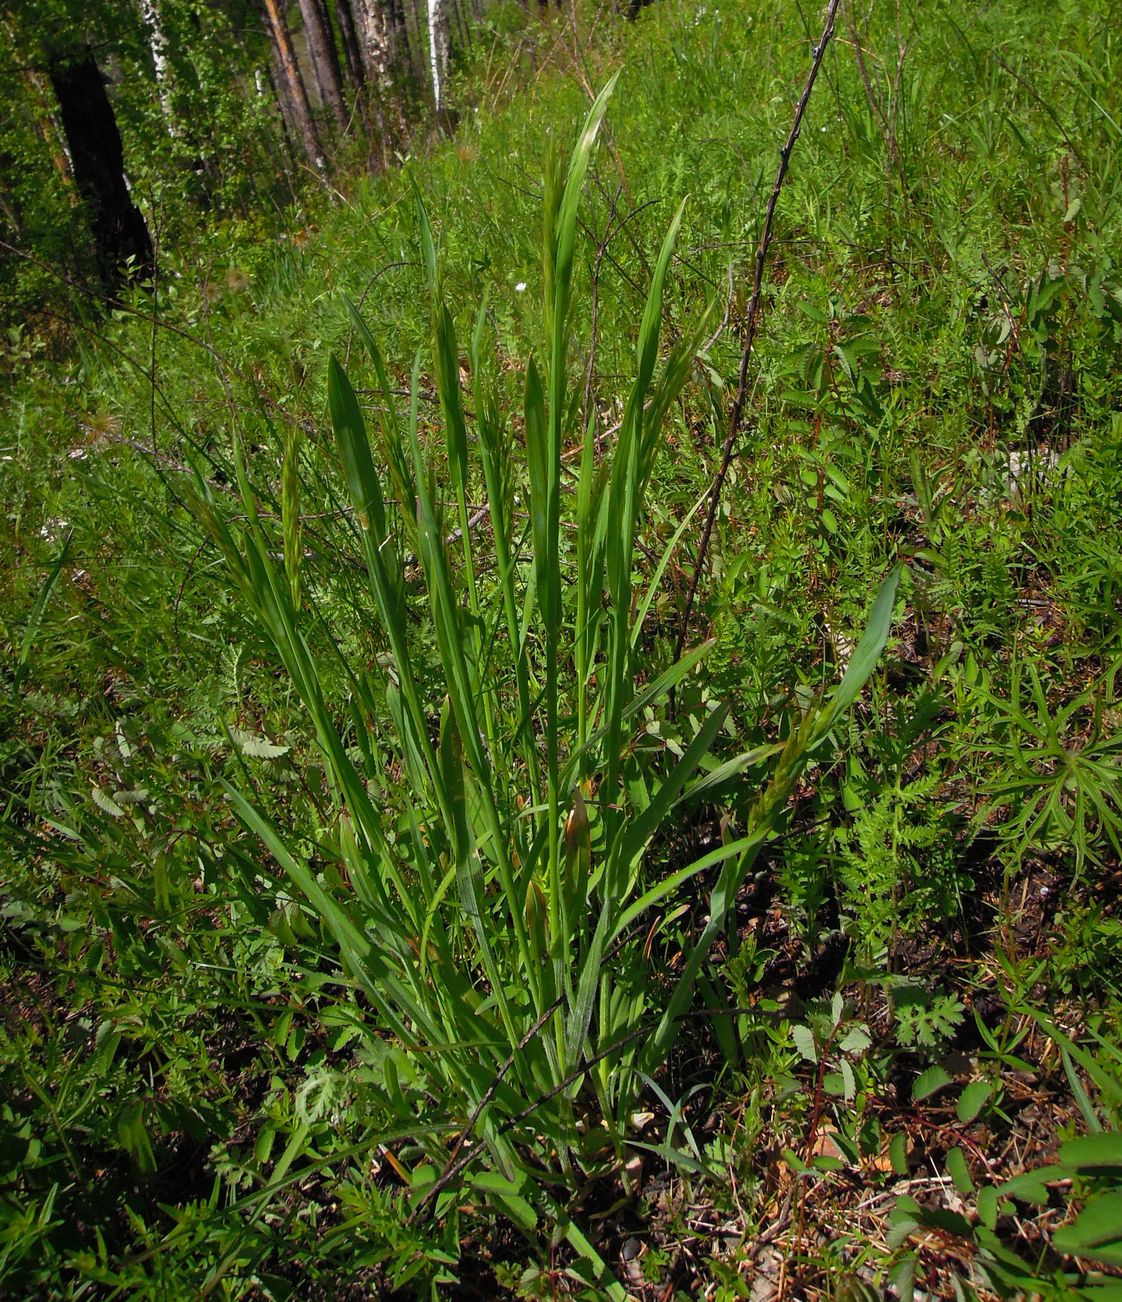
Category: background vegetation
<point>386,907</point>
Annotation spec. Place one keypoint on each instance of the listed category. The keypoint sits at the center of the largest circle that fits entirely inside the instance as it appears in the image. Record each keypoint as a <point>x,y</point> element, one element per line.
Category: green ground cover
<point>388,909</point>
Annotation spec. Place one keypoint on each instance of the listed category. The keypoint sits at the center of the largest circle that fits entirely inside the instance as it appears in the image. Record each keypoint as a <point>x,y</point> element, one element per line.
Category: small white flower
<point>77,454</point>
<point>51,530</point>
<point>520,288</point>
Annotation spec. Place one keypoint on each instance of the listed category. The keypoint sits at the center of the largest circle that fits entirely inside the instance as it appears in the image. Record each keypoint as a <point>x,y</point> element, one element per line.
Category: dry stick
<point>736,417</point>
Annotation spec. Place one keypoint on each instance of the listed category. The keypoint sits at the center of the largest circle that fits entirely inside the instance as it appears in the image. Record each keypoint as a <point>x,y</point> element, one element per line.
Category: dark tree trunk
<point>325,59</point>
<point>414,38</point>
<point>295,93</point>
<point>352,51</point>
<point>98,162</point>
<point>463,26</point>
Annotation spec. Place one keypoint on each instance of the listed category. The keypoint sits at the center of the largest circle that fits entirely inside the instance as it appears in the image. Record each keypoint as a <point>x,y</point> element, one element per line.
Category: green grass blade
<point>865,656</point>
<point>35,618</point>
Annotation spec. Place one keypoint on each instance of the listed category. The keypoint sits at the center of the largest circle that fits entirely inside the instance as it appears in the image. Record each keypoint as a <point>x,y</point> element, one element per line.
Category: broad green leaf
<point>930,1082</point>
<point>864,657</point>
<point>898,1154</point>
<point>973,1099</point>
<point>350,431</point>
<point>1096,1233</point>
<point>1092,1152</point>
<point>959,1171</point>
<point>803,1037</point>
<point>1032,1186</point>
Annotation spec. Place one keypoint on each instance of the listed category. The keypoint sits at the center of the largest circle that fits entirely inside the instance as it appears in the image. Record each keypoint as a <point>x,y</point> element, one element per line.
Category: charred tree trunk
<point>295,92</point>
<point>98,163</point>
<point>325,59</point>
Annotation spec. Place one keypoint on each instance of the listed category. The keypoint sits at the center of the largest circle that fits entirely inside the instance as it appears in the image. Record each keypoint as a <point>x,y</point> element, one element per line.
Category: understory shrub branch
<point>751,322</point>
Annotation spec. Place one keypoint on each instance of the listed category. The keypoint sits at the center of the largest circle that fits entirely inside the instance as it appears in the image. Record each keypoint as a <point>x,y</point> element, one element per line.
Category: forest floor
<point>253,893</point>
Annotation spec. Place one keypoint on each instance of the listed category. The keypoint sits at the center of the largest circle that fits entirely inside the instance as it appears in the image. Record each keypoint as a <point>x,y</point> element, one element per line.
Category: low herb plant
<point>492,879</point>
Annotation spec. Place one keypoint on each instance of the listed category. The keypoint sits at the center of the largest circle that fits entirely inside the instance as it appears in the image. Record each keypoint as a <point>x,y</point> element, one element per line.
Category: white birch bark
<point>158,45</point>
<point>438,49</point>
<point>376,41</point>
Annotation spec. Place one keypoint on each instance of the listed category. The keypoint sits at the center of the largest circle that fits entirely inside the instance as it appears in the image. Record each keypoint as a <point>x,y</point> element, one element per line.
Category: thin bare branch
<point>736,415</point>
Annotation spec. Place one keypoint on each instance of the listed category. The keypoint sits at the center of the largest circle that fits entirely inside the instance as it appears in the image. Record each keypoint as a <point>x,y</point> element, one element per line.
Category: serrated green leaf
<point>103,800</point>
<point>973,1099</point>
<point>804,1042</point>
<point>856,1040</point>
<point>930,1082</point>
<point>1032,1186</point>
<point>959,1171</point>
<point>898,1154</point>
<point>1096,1233</point>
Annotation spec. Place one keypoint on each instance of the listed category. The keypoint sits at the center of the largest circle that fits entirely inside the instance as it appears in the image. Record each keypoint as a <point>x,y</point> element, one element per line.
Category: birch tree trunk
<point>325,59</point>
<point>439,42</point>
<point>158,45</point>
<point>377,35</point>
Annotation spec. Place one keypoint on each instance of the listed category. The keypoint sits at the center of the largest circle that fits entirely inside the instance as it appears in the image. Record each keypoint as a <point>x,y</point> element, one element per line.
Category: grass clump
<point>493,904</point>
<point>373,918</point>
